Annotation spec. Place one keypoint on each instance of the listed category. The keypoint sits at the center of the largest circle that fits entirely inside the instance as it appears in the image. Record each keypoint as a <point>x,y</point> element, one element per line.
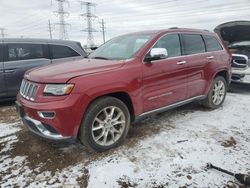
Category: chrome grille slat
<point>28,90</point>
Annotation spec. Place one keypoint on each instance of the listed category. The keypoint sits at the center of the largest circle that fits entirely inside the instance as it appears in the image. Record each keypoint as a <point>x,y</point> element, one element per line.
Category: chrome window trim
<point>156,61</point>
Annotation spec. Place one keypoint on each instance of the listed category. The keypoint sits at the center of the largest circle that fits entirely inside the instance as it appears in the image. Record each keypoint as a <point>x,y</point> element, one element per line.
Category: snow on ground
<point>169,150</point>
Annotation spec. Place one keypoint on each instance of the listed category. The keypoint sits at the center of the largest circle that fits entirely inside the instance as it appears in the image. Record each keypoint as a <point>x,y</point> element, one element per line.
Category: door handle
<point>9,71</point>
<point>181,62</point>
<point>210,57</point>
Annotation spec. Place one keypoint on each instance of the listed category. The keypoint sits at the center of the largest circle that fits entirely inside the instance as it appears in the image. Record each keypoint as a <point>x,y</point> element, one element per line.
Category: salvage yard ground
<point>168,150</point>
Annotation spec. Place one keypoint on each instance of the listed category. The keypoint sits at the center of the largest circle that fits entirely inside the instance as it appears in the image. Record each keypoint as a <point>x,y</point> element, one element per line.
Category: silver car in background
<point>19,55</point>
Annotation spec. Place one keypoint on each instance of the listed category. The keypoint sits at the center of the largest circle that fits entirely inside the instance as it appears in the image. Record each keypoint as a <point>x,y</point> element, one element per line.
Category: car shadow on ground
<point>239,88</point>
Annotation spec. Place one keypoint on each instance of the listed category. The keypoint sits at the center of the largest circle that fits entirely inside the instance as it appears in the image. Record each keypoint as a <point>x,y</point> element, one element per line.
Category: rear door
<point>61,53</point>
<point>195,50</point>
<point>214,49</point>
<point>20,58</point>
<point>3,90</point>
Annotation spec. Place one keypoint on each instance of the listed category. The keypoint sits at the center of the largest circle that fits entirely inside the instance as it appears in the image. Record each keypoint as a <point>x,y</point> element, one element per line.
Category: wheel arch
<point>224,74</point>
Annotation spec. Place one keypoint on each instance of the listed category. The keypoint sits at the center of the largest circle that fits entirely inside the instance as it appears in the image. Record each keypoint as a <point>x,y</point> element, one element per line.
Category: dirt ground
<point>26,156</point>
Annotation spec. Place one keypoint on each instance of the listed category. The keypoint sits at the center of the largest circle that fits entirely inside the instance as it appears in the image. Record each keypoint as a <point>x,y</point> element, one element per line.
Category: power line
<point>50,30</point>
<point>62,23</point>
<point>2,32</point>
<point>89,17</point>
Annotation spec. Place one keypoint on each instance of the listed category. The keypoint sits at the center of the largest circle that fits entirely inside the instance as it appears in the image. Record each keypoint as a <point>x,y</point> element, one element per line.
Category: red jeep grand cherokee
<point>131,76</point>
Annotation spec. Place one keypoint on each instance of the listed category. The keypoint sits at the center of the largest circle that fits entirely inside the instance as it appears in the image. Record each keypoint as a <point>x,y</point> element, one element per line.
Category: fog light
<point>47,115</point>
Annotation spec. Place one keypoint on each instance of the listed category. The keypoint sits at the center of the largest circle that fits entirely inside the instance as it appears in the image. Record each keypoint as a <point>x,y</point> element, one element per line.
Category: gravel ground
<point>168,150</point>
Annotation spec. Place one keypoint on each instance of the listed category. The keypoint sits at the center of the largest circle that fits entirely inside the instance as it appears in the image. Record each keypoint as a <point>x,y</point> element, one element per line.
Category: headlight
<point>58,89</point>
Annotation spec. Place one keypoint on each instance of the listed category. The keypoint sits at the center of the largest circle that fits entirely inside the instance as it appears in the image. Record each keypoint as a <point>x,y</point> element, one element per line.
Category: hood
<point>235,31</point>
<point>62,72</point>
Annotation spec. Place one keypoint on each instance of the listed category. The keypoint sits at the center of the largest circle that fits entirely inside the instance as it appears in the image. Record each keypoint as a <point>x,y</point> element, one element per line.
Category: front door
<point>165,81</point>
<point>21,57</point>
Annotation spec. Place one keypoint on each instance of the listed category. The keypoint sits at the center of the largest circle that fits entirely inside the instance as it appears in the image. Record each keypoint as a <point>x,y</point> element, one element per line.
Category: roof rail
<point>174,28</point>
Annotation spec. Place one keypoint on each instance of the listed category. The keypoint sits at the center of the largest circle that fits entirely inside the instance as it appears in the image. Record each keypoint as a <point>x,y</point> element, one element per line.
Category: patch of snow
<point>157,160</point>
<point>9,128</point>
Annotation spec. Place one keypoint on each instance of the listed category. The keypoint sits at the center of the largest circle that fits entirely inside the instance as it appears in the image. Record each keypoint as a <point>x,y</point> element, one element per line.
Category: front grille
<point>240,61</point>
<point>28,90</point>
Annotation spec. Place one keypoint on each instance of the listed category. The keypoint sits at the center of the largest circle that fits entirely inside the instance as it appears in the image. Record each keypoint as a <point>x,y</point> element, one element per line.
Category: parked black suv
<point>20,55</point>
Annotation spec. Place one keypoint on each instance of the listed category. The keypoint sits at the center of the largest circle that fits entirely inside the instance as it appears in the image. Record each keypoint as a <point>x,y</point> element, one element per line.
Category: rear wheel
<point>105,125</point>
<point>217,93</point>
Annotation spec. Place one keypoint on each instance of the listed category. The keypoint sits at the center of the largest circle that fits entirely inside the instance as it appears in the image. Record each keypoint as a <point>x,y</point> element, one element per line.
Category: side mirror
<point>157,54</point>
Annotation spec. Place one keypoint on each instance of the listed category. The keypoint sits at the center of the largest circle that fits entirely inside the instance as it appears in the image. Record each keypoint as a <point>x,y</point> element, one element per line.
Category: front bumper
<point>63,126</point>
<point>241,76</point>
<point>39,128</point>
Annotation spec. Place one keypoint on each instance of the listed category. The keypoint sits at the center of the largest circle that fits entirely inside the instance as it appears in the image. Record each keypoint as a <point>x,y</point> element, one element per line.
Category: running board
<point>165,108</point>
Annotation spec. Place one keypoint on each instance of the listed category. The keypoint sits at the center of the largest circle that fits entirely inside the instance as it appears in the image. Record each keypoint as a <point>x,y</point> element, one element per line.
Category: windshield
<point>120,48</point>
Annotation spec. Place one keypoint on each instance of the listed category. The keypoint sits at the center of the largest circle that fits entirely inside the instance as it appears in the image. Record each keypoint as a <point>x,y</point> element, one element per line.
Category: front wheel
<point>105,125</point>
<point>217,93</point>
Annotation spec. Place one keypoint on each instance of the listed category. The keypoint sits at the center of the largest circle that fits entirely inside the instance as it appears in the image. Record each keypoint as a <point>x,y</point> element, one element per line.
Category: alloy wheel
<point>108,126</point>
<point>219,91</point>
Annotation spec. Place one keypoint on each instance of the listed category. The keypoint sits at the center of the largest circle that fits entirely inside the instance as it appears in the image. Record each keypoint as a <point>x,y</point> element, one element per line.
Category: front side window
<point>212,43</point>
<point>171,43</point>
<point>25,51</point>
<point>121,48</point>
<point>59,51</point>
<point>193,44</point>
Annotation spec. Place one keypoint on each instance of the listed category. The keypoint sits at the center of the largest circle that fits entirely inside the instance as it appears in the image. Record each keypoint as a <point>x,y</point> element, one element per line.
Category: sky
<point>29,18</point>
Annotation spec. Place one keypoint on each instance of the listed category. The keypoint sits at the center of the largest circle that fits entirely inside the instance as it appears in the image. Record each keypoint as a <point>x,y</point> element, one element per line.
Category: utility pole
<point>89,17</point>
<point>62,23</point>
<point>103,30</point>
<point>2,32</point>
<point>50,31</point>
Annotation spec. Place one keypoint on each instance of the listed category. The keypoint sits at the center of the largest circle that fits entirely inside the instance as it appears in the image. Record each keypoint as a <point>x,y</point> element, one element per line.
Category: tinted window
<point>59,51</point>
<point>25,51</point>
<point>171,43</point>
<point>212,43</point>
<point>193,44</point>
<point>1,53</point>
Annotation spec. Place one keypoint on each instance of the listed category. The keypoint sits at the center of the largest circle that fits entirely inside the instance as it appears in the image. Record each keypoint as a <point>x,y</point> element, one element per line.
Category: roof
<point>38,40</point>
<point>176,29</point>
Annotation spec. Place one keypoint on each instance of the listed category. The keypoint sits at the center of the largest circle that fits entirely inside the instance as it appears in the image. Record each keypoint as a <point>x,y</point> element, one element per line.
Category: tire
<point>216,97</point>
<point>105,124</point>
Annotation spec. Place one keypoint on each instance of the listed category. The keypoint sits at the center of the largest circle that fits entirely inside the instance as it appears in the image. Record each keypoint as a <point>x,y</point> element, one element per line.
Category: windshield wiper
<point>104,58</point>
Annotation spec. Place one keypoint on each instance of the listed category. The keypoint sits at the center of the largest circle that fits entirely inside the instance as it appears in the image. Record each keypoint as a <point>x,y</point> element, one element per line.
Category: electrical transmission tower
<point>62,23</point>
<point>2,32</point>
<point>89,17</point>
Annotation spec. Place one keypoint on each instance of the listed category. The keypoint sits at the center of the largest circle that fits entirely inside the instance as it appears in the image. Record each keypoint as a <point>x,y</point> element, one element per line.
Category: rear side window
<point>25,51</point>
<point>59,51</point>
<point>212,43</point>
<point>171,43</point>
<point>193,44</point>
<point>1,53</point>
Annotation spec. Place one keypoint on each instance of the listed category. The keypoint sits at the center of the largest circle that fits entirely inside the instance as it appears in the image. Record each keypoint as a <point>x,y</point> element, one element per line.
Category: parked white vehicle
<point>237,35</point>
